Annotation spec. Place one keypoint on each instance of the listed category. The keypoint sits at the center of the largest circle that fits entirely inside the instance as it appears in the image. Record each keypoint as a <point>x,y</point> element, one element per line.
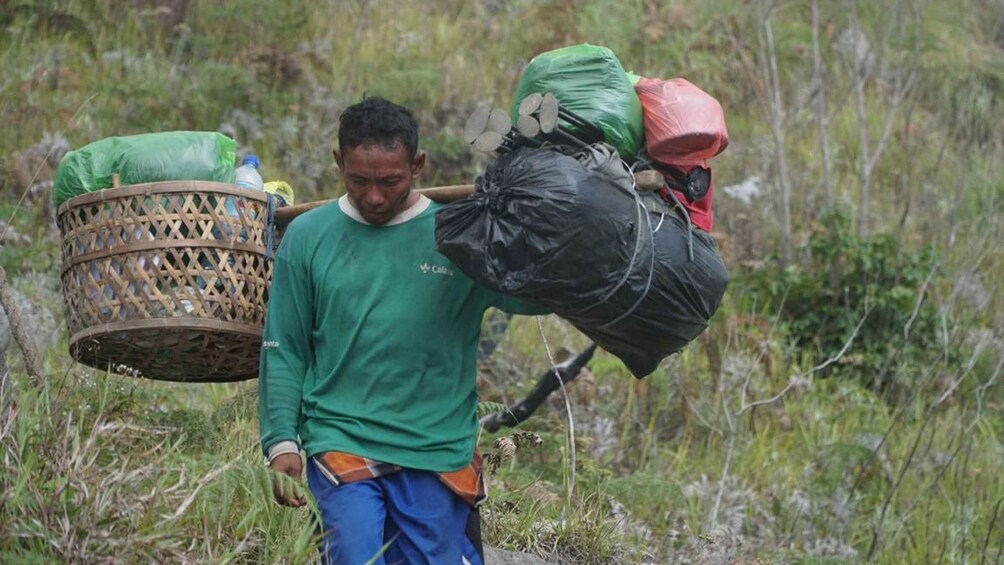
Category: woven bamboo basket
<point>167,280</point>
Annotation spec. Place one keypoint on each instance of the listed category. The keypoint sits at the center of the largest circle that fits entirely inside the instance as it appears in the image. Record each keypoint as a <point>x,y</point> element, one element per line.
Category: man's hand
<point>287,464</point>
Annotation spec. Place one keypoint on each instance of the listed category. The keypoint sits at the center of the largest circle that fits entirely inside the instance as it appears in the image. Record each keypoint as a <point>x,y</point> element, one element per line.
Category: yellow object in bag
<point>281,188</point>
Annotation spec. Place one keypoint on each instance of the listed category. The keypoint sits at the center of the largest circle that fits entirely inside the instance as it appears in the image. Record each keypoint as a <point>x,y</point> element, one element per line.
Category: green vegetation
<point>868,290</point>
<point>844,406</point>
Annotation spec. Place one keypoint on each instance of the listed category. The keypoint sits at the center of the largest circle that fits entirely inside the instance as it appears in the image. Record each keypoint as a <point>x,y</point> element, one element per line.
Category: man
<point>368,359</point>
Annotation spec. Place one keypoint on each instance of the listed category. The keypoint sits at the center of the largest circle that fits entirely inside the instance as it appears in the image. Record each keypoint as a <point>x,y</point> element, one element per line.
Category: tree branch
<point>24,342</point>
<point>799,379</point>
<point>777,129</point>
<point>822,119</point>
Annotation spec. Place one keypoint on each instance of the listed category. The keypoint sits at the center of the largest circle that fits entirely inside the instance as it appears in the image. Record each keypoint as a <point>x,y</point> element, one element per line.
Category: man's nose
<point>374,197</point>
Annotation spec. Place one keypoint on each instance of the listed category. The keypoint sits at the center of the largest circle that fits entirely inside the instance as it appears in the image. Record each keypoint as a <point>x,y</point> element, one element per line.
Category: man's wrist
<point>281,448</point>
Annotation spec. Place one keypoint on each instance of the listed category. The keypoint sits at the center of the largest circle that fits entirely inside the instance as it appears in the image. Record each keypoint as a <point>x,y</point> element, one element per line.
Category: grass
<point>100,467</point>
<point>832,472</point>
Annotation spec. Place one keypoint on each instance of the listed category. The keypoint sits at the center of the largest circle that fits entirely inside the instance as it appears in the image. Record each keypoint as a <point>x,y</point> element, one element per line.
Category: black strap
<point>474,532</point>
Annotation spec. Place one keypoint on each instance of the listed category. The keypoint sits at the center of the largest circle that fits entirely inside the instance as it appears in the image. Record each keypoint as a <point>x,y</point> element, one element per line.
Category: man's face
<point>378,179</point>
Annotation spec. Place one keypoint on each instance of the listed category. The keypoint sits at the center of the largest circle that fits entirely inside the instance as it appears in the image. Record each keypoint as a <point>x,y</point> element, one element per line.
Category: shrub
<point>849,281</point>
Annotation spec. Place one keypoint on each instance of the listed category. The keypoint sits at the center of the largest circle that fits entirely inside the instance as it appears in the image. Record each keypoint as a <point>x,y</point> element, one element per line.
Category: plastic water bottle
<point>248,175</point>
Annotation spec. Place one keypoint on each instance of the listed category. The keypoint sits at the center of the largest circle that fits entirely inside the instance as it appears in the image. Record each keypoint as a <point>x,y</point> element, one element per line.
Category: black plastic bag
<point>570,235</point>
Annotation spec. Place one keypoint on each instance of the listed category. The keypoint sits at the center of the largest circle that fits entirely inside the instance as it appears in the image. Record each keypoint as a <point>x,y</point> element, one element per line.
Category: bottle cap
<point>251,160</point>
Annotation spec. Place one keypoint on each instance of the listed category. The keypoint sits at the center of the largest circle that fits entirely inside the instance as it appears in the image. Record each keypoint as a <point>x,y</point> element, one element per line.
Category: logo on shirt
<point>436,269</point>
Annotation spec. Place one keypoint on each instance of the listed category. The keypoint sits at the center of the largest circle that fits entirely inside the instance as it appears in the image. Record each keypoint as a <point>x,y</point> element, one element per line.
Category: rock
<point>854,45</point>
<point>32,169</point>
<point>970,287</point>
<point>30,173</point>
<point>746,191</point>
<point>495,556</point>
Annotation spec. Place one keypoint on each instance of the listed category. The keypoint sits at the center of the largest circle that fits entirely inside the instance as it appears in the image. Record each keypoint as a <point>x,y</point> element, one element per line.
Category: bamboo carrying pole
<point>647,180</point>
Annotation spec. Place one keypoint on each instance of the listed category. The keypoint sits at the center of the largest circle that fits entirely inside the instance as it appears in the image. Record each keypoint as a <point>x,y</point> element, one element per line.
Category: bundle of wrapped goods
<point>570,234</point>
<point>589,81</point>
<point>684,128</point>
<point>148,157</point>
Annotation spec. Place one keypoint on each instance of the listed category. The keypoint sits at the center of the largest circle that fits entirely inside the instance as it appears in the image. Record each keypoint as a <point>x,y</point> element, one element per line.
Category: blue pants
<point>412,512</point>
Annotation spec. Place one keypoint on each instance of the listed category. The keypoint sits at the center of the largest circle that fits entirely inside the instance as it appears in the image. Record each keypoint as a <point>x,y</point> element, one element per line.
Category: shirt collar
<point>403,216</point>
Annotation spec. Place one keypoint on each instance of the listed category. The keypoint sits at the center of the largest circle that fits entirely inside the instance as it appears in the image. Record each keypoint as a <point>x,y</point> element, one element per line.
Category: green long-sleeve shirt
<point>370,341</point>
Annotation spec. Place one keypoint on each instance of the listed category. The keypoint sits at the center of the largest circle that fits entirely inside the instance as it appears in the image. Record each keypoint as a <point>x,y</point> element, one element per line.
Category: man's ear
<point>338,159</point>
<point>417,164</point>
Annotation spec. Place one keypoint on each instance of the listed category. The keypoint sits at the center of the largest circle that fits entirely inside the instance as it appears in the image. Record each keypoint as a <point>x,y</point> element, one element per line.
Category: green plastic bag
<point>149,157</point>
<point>590,81</point>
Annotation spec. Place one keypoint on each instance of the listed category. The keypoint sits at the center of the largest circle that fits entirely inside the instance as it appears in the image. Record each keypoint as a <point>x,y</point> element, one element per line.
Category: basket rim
<point>163,373</point>
<point>178,323</point>
<point>160,187</point>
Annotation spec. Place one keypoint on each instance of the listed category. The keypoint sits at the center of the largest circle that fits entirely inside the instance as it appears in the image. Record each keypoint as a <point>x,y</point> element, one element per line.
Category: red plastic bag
<point>683,124</point>
<point>684,127</point>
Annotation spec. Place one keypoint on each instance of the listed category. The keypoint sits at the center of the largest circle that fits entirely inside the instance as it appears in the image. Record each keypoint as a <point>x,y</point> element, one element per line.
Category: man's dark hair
<point>376,121</point>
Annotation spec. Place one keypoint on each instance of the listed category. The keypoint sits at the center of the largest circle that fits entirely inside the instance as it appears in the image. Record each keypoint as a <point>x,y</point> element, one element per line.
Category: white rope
<point>661,218</point>
<point>568,413</point>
